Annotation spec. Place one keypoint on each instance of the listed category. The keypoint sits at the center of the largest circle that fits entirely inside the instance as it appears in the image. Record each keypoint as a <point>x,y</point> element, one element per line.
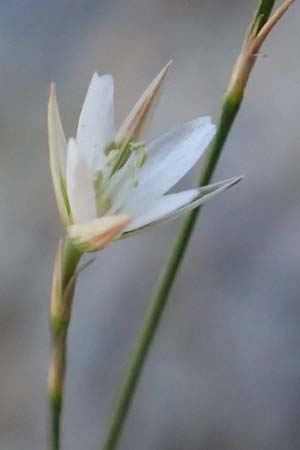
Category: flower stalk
<point>63,286</point>
<point>109,184</point>
<point>232,100</point>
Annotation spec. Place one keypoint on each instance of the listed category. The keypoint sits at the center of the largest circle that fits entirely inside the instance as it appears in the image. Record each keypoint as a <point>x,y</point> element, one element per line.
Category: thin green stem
<point>71,258</point>
<point>264,11</point>
<point>55,411</point>
<point>230,107</point>
<point>59,332</point>
<point>56,389</point>
<point>163,287</point>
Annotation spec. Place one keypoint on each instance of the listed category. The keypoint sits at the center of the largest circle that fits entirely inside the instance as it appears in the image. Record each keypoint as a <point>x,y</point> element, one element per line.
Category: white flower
<point>110,183</point>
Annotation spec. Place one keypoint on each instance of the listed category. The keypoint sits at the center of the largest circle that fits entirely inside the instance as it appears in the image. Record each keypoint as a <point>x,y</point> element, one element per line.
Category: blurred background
<point>224,373</point>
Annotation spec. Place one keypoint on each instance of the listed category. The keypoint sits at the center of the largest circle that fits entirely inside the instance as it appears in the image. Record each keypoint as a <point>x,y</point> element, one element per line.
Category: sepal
<point>58,151</point>
<point>98,233</point>
<point>201,196</point>
<point>56,305</point>
<point>134,125</point>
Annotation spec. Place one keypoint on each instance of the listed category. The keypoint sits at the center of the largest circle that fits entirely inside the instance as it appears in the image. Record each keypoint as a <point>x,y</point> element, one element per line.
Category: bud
<point>98,233</point>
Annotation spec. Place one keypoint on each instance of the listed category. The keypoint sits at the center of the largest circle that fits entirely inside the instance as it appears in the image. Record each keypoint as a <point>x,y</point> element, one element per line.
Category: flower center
<point>130,156</point>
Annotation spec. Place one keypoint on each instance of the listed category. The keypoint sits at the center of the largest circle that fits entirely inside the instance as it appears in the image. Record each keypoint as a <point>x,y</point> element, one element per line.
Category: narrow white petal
<point>96,126</point>
<point>162,208</point>
<point>80,184</point>
<point>135,124</point>
<point>58,150</point>
<point>170,157</point>
<point>171,206</point>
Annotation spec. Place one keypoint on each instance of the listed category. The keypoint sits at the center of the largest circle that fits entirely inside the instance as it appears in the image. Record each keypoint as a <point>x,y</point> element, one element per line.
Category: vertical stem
<point>56,386</point>
<point>163,287</point>
<point>230,106</point>
<point>59,325</point>
<point>264,10</point>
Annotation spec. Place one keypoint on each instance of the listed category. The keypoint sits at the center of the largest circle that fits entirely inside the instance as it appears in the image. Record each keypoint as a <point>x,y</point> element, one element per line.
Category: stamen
<point>135,179</point>
<point>107,182</point>
<point>98,180</point>
<point>124,155</point>
<point>112,146</point>
<point>102,205</point>
<point>142,158</point>
<point>119,153</point>
<point>112,157</point>
<point>137,146</point>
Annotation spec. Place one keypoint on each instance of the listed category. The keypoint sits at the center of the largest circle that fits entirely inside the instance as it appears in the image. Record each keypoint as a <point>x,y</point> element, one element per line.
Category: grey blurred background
<point>224,372</point>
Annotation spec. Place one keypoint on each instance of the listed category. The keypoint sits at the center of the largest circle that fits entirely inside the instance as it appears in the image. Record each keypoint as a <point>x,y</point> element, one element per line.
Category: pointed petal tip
<point>166,67</point>
<point>235,180</point>
<point>162,74</point>
<point>97,81</point>
<point>51,93</point>
<point>57,150</point>
<point>171,206</point>
<point>105,77</point>
<point>134,125</point>
<point>221,185</point>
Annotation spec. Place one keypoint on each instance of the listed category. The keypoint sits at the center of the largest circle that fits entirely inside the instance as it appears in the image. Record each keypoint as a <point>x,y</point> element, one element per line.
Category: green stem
<point>264,11</point>
<point>230,107</point>
<point>57,364</point>
<point>59,333</point>
<point>71,258</point>
<point>163,287</point>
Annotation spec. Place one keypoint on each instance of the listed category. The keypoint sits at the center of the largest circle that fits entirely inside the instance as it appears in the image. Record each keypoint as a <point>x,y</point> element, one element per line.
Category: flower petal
<point>170,157</point>
<point>96,127</point>
<point>171,206</point>
<point>80,184</point>
<point>134,125</point>
<point>98,233</point>
<point>162,208</point>
<point>58,150</point>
